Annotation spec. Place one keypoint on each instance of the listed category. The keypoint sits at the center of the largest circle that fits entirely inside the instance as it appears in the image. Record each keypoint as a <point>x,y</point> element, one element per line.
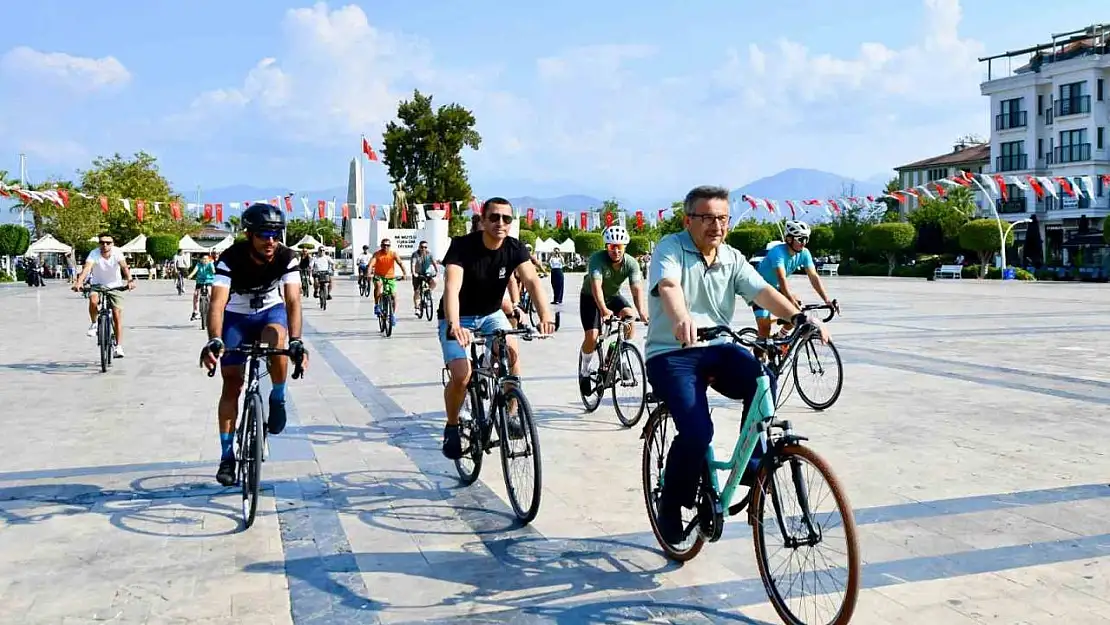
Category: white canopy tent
<point>48,244</point>
<point>567,247</point>
<point>188,245</point>
<point>309,242</point>
<point>223,244</point>
<point>136,245</point>
<point>546,246</point>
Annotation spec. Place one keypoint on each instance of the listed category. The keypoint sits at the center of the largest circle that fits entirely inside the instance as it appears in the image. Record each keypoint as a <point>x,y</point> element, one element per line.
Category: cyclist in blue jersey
<point>205,272</point>
<point>780,262</point>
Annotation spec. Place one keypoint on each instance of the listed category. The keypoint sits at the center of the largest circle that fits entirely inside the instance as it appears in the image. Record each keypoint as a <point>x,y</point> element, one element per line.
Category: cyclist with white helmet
<point>782,261</point>
<point>600,299</point>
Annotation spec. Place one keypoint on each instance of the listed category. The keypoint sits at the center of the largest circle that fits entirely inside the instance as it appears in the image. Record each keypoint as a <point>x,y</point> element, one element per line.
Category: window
<point>936,174</point>
<point>1072,137</point>
<point>1040,104</point>
<point>1098,138</point>
<point>1071,90</point>
<point>1011,156</point>
<point>1073,146</point>
<point>1100,90</point>
<point>1012,148</point>
<point>1098,185</point>
<point>1040,148</point>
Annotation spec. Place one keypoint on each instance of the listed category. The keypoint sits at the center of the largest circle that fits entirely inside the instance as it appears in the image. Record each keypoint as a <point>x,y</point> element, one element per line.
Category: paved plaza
<point>971,437</point>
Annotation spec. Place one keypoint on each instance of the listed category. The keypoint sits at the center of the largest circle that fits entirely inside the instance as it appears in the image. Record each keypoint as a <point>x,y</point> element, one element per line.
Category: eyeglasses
<point>707,219</point>
<point>615,247</point>
<point>268,234</point>
<point>385,245</point>
<point>502,217</point>
<point>105,242</point>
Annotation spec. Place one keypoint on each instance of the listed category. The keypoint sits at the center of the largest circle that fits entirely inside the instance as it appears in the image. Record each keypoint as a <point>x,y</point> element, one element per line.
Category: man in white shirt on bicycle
<point>107,267</point>
<point>323,266</point>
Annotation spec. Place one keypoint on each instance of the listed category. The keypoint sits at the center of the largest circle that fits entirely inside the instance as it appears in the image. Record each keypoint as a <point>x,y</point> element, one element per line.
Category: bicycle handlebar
<point>99,288</point>
<point>833,308</point>
<point>709,334</point>
<point>260,350</point>
<point>526,333</point>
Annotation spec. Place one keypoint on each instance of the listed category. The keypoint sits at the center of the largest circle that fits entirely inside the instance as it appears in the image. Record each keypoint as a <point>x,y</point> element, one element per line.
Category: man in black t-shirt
<point>477,269</point>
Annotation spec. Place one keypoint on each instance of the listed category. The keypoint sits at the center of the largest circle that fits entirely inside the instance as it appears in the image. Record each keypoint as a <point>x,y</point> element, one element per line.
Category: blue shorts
<point>242,329</point>
<point>479,325</point>
<point>761,313</point>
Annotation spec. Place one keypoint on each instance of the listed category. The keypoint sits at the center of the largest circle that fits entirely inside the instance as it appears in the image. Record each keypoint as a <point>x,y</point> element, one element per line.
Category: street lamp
<point>1008,231</point>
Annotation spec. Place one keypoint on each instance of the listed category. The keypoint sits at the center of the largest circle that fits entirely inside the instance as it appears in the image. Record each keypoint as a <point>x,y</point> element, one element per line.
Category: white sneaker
<point>92,330</point>
<point>118,352</point>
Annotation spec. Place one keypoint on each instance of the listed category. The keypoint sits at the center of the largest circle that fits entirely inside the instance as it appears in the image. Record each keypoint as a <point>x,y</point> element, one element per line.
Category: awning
<point>48,244</point>
<point>136,245</point>
<point>188,245</point>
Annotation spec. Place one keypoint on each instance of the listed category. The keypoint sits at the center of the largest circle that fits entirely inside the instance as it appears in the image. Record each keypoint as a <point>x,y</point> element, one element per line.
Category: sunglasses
<point>502,217</point>
<point>268,234</point>
<point>615,247</point>
<point>385,245</point>
<point>105,242</point>
<point>802,240</point>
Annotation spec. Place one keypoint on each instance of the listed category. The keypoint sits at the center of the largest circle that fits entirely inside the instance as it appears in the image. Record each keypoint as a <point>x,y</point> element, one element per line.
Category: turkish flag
<point>531,214</point>
<point>640,220</point>
<point>582,220</point>
<point>608,219</point>
<point>208,212</point>
<point>175,210</point>
<point>289,203</point>
<point>104,205</point>
<point>346,212</point>
<point>219,213</point>
<point>368,151</point>
<point>558,219</point>
<point>321,206</point>
<point>140,209</point>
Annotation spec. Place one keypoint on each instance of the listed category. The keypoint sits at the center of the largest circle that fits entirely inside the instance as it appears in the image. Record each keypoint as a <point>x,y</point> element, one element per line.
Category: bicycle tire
<point>653,488</point>
<point>428,308</point>
<point>637,364</point>
<point>204,312</point>
<point>598,389</point>
<point>844,614</point>
<point>104,341</point>
<point>839,375</point>
<point>533,315</point>
<point>388,316</point>
<point>525,513</point>
<point>471,432</point>
<point>250,457</point>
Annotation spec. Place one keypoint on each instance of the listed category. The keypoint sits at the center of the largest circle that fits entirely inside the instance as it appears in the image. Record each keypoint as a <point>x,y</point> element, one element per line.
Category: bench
<point>137,272</point>
<point>949,271</point>
<point>830,269</point>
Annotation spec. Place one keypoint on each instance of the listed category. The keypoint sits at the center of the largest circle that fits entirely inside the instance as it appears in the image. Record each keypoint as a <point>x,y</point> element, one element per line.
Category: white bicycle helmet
<point>797,229</point>
<point>616,235</point>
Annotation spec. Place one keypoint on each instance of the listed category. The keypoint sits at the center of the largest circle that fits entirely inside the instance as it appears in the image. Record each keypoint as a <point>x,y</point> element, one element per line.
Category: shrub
<point>14,239</point>
<point>750,239</point>
<point>528,237</point>
<point>161,247</point>
<point>982,236</point>
<point>891,239</point>
<point>637,245</point>
<point>586,243</point>
<point>821,240</point>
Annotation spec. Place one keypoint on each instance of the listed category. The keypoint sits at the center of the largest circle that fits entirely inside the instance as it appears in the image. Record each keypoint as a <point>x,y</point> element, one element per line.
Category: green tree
<point>75,223</point>
<point>422,152</point>
<point>939,221</point>
<point>982,236</point>
<point>638,244</point>
<point>848,227</point>
<point>323,230</point>
<point>751,239</point>
<point>161,247</point>
<point>135,178</point>
<point>586,243</point>
<point>14,239</point>
<point>821,239</point>
<point>890,239</point>
<point>34,208</point>
<point>675,223</point>
<point>528,237</point>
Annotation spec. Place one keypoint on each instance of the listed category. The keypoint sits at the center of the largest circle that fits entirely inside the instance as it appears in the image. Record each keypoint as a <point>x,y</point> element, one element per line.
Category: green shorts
<point>115,299</point>
<point>389,284</point>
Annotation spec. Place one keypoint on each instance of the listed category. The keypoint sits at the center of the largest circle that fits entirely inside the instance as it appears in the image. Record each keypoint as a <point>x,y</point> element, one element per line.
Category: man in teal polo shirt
<point>693,281</point>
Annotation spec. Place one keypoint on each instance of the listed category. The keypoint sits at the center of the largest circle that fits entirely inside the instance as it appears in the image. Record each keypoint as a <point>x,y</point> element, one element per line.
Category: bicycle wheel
<point>523,443</point>
<point>630,376</point>
<point>426,299</point>
<point>250,456</point>
<point>387,315</point>
<point>104,340</point>
<point>470,435</point>
<point>812,350</point>
<point>533,314</point>
<point>657,434</point>
<point>802,528</point>
<point>323,295</point>
<point>597,390</point>
<point>203,312</point>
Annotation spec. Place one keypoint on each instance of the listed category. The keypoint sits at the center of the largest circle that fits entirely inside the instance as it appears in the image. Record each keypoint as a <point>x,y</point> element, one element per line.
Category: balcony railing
<point>1048,116</point>
<point>1016,205</point>
<point>1076,105</point>
<point>1011,119</point>
<point>1011,162</point>
<point>1073,153</point>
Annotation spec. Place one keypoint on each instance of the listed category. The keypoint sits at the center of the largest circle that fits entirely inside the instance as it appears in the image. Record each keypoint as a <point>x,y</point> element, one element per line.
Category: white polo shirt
<point>106,271</point>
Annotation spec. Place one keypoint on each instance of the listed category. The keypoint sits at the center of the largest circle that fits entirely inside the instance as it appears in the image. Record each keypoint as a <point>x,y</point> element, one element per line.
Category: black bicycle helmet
<point>260,217</point>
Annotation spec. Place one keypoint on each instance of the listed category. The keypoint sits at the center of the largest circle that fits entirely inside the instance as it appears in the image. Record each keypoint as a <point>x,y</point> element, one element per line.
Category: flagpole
<point>22,185</point>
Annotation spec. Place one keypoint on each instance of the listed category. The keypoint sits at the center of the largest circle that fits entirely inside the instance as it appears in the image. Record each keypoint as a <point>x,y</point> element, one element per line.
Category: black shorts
<point>591,316</point>
<point>418,279</point>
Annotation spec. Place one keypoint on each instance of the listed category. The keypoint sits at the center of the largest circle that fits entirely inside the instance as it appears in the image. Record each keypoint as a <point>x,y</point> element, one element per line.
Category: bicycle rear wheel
<point>657,437</point>
<point>629,375</point>
<point>520,449</point>
<point>801,528</point>
<point>470,435</point>
<point>203,312</point>
<point>387,314</point>
<point>250,456</point>
<point>104,340</point>
<point>825,373</point>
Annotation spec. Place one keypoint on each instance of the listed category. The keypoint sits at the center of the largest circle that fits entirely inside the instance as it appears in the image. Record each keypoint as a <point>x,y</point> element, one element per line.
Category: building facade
<point>965,156</point>
<point>1050,109</point>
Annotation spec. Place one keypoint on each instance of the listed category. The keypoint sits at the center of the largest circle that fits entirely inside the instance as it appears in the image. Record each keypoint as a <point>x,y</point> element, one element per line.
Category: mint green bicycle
<point>798,530</point>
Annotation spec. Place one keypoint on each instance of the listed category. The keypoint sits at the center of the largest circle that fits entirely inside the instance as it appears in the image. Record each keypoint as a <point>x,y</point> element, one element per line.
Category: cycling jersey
<point>780,256</point>
<point>254,287</point>
<point>205,273</point>
<point>601,268</point>
<point>363,261</point>
<point>422,263</point>
<point>385,263</point>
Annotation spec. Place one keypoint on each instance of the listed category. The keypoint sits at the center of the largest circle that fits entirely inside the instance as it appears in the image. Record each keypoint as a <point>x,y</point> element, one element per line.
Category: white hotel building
<point>1050,109</point>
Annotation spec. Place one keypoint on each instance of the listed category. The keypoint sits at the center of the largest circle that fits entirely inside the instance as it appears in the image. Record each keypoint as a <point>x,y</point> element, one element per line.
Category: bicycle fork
<point>813,531</point>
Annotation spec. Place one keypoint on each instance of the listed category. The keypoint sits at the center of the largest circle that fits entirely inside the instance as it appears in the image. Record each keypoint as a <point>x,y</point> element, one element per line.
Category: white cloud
<point>80,73</point>
<point>592,115</point>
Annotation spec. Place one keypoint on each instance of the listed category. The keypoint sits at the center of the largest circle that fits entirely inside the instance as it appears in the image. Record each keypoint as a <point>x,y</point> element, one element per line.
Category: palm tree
<point>233,223</point>
<point>35,208</point>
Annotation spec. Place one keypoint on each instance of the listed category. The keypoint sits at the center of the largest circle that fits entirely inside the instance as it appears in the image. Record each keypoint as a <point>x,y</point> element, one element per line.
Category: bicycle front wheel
<point>520,454</point>
<point>470,436</point>
<point>104,339</point>
<point>250,457</point>
<point>387,315</point>
<point>790,533</point>
<point>630,385</point>
<point>819,365</point>
<point>658,435</point>
<point>203,312</point>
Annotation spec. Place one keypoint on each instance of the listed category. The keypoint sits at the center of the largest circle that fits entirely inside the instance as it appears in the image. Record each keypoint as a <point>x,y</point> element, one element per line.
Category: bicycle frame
<point>761,410</point>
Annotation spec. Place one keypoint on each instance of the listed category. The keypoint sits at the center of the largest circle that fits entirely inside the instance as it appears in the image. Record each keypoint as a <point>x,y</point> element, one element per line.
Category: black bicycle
<point>387,306</point>
<point>105,331</point>
<point>621,369</point>
<point>304,282</point>
<point>363,285</point>
<point>180,282</point>
<point>204,304</point>
<point>322,289</point>
<point>250,444</point>
<point>425,308</point>
<point>496,413</point>
<point>784,360</point>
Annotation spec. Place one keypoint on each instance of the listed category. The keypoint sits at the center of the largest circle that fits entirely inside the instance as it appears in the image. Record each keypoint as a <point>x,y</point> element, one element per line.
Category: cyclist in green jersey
<point>601,296</point>
<point>205,272</point>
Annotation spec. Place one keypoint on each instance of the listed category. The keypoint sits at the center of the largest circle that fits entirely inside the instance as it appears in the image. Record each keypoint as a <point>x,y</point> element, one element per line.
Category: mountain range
<point>796,184</point>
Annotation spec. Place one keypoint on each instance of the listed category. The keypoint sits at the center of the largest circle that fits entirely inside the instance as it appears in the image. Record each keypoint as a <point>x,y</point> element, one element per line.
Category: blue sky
<point>639,100</point>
